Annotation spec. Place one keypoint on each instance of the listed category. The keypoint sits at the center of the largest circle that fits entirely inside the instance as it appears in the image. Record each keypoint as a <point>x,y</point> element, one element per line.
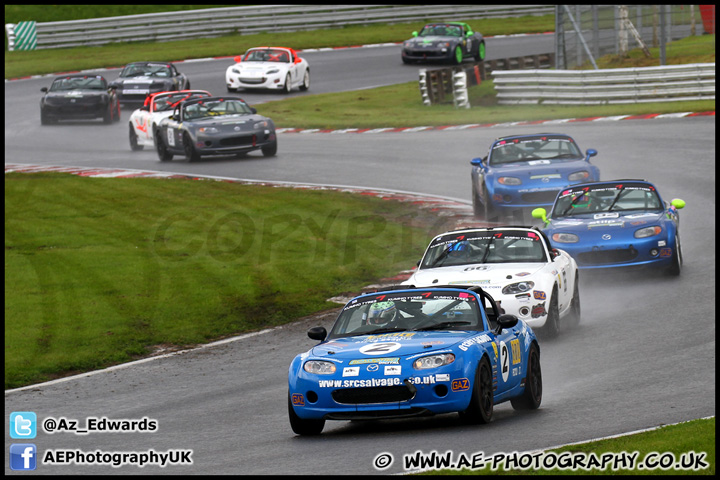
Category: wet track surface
<point>643,355</point>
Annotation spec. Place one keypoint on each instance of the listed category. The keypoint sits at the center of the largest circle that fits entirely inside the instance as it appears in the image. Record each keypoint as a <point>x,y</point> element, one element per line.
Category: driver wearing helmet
<point>381,313</point>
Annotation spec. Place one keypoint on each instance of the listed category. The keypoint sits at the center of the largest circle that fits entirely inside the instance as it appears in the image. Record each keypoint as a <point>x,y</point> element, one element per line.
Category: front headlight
<point>565,237</point>
<point>207,130</point>
<point>235,70</point>
<point>319,367</point>
<point>579,176</point>
<point>262,124</point>
<point>648,232</point>
<point>509,181</point>
<point>272,70</point>
<point>520,287</point>
<point>434,361</point>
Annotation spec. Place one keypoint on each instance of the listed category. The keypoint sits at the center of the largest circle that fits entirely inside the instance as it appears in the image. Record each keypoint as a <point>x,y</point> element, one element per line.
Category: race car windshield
<point>529,149</point>
<point>615,198</point>
<point>267,55</point>
<point>78,83</point>
<point>409,312</point>
<point>440,30</point>
<point>488,247</point>
<point>215,108</point>
<point>169,102</point>
<point>133,70</point>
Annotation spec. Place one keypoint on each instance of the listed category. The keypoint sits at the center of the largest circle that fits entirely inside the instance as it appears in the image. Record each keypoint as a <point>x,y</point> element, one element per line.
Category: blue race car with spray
<point>619,223</point>
<point>409,352</point>
<point>524,172</point>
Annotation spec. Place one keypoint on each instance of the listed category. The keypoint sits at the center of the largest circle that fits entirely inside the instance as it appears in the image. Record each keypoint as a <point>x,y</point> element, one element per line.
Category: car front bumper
<point>648,252</point>
<point>275,81</point>
<point>332,397</point>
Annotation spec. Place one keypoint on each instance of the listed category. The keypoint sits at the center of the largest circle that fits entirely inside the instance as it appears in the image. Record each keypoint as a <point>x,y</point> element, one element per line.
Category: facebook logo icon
<point>23,425</point>
<point>23,456</point>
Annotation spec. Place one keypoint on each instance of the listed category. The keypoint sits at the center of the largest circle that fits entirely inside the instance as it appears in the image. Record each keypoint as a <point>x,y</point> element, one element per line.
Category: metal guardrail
<point>214,22</point>
<point>669,83</point>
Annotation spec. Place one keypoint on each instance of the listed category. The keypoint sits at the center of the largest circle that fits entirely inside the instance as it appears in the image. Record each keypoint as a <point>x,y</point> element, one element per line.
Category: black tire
<point>45,119</point>
<point>575,310</point>
<point>532,397</point>
<point>302,426</point>
<point>478,208</point>
<point>457,57</point>
<point>306,81</point>
<point>270,149</point>
<point>677,260</point>
<point>109,115</point>
<point>190,152</point>
<point>489,211</point>
<point>480,410</point>
<point>480,53</point>
<point>288,84</point>
<point>134,146</point>
<point>552,324</point>
<point>163,153</point>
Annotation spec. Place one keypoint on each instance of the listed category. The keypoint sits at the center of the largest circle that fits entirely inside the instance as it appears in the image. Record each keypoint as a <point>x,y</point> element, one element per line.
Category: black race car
<point>81,97</point>
<point>214,126</point>
<point>139,79</point>
<point>448,41</point>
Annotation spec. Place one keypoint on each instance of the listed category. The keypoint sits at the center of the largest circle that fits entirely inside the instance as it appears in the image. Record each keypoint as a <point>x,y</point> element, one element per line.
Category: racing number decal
<point>380,348</point>
<point>564,280</point>
<point>516,355</point>
<point>504,361</point>
<point>170,137</point>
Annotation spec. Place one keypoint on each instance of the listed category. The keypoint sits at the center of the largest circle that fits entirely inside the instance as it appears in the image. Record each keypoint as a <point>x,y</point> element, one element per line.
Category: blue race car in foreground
<point>523,172</point>
<point>619,223</point>
<point>411,352</point>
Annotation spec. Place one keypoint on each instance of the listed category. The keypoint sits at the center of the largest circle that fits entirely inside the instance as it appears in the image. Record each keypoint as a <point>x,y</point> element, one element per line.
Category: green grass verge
<point>680,445</point>
<point>100,271</point>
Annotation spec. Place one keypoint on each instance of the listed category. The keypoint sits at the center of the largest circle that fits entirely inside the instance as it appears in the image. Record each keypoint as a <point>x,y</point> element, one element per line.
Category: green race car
<point>446,42</point>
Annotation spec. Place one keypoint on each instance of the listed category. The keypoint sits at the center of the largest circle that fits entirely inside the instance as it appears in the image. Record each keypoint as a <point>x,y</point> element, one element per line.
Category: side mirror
<point>253,109</point>
<point>477,162</point>
<point>238,59</point>
<point>678,203</point>
<point>554,253</point>
<point>317,333</point>
<point>414,34</point>
<point>541,214</point>
<point>506,321</point>
<point>591,152</point>
<point>44,89</point>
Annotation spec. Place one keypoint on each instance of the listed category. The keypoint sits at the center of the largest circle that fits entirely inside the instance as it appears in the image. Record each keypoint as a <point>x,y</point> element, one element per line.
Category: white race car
<point>270,68</point>
<point>516,265</point>
<point>157,106</point>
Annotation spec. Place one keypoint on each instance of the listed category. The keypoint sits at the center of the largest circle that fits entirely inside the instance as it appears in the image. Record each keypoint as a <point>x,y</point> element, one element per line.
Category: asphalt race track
<point>643,355</point>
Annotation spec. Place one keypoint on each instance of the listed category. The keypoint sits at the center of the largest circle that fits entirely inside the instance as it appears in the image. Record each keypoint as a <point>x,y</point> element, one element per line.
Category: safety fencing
<point>215,22</point>
<point>669,83</point>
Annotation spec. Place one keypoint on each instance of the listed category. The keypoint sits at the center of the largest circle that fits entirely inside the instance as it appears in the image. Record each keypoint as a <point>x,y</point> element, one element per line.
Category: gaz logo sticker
<point>460,385</point>
<point>380,348</point>
<point>297,399</point>
<point>516,355</point>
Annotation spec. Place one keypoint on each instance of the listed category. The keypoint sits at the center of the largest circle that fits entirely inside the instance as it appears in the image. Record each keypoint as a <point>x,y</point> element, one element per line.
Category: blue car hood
<point>526,170</point>
<point>618,223</point>
<point>396,344</point>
